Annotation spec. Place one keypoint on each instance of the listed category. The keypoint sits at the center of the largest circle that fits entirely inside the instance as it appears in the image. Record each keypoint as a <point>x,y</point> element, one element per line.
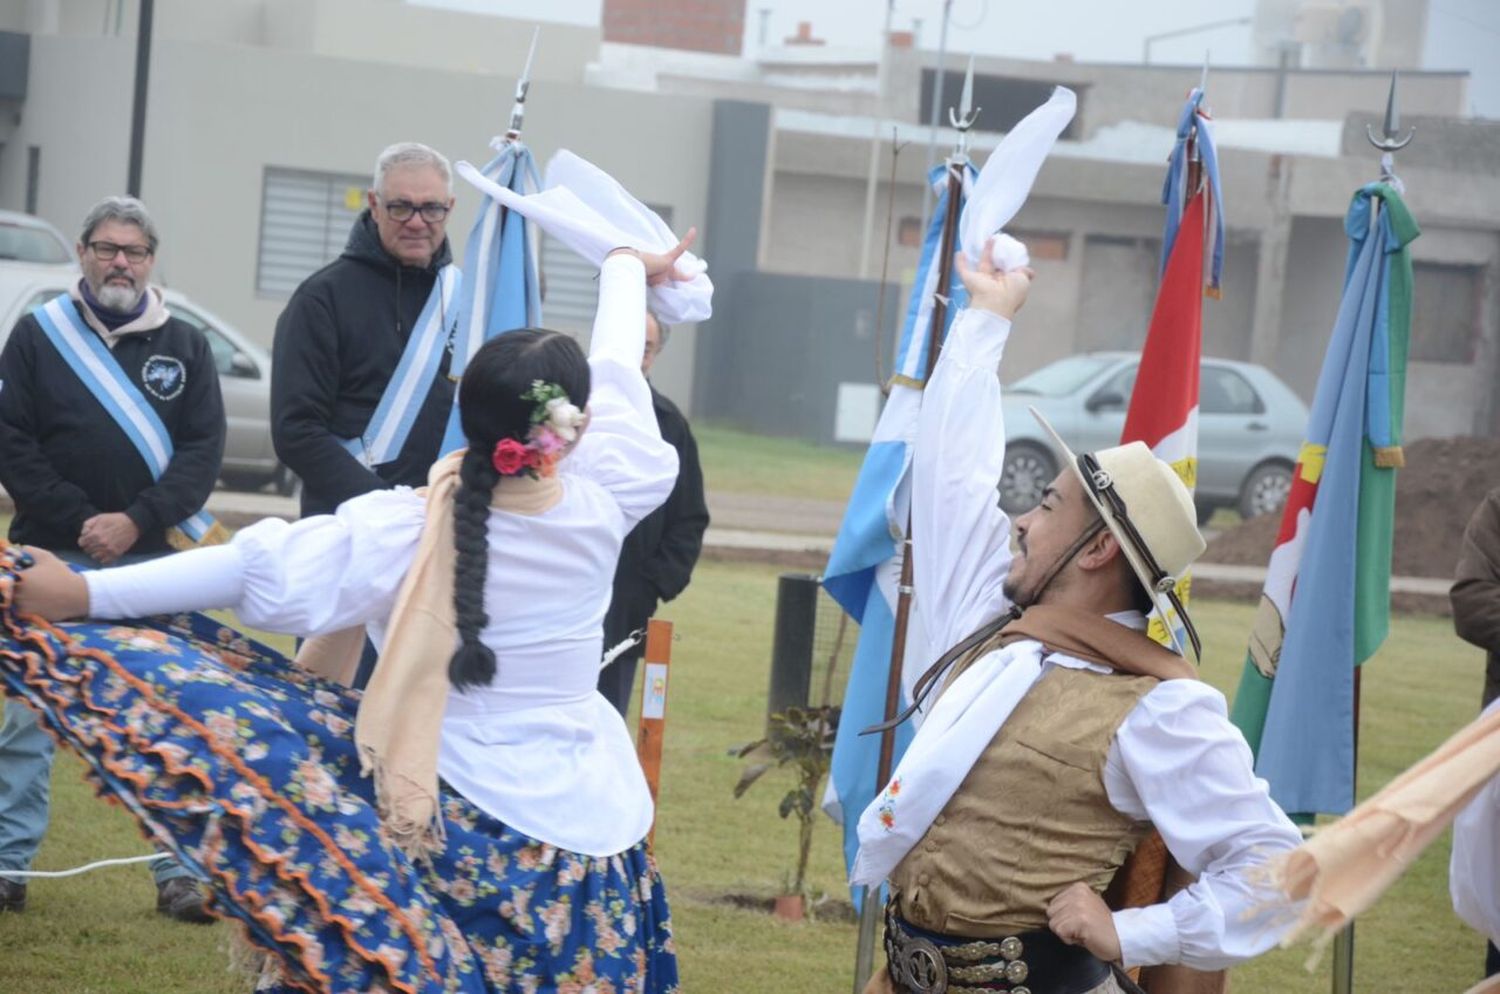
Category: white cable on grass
<point>122,861</point>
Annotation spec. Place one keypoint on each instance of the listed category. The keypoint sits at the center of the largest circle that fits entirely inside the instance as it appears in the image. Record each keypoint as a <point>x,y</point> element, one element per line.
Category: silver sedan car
<point>1250,427</point>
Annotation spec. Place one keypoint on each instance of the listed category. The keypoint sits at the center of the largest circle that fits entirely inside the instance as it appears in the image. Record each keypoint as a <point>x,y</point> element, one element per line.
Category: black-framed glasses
<point>106,251</point>
<point>402,210</point>
<point>1101,485</point>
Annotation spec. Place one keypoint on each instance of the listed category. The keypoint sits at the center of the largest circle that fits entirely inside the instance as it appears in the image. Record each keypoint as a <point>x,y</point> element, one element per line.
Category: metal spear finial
<point>518,112</point>
<point>1390,140</point>
<point>967,113</point>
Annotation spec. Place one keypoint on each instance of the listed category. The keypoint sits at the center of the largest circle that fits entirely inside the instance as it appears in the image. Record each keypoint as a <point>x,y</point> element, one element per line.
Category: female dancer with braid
<point>498,845</point>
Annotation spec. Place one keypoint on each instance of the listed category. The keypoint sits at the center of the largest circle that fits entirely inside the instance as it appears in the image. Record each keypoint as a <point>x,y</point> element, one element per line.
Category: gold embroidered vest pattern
<point>1031,817</point>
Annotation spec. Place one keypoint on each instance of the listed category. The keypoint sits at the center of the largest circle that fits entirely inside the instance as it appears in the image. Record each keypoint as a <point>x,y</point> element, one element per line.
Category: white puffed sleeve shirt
<point>538,747</point>
<point>1176,760</point>
<point>1474,866</point>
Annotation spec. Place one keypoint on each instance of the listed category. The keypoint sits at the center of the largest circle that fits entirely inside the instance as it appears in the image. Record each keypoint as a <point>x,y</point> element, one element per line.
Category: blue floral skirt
<point>246,769</point>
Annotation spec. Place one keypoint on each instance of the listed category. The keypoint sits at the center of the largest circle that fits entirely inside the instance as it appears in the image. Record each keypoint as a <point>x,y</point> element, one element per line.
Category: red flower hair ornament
<point>555,425</point>
<point>510,457</point>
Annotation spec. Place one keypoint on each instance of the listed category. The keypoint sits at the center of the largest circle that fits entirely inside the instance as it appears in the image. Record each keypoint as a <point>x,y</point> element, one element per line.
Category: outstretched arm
<point>960,535</point>
<point>275,575</point>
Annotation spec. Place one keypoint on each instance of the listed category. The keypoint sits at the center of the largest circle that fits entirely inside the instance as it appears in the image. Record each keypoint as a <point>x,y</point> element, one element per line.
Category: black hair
<point>1140,598</point>
<point>490,407</point>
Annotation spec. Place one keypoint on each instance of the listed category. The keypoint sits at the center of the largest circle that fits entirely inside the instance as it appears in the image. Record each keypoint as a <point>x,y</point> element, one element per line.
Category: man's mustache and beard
<point>118,291</point>
<point>1012,587</point>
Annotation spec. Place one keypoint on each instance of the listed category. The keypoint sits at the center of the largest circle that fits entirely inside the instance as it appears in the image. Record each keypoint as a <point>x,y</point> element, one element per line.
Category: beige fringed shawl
<point>1345,867</point>
<point>400,719</point>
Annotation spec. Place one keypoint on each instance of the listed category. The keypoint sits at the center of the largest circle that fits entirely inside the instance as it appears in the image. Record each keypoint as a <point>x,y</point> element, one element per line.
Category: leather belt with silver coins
<point>1036,962</point>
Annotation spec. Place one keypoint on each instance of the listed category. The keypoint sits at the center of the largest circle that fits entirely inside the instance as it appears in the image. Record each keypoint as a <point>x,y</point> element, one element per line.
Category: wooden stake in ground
<point>653,722</point>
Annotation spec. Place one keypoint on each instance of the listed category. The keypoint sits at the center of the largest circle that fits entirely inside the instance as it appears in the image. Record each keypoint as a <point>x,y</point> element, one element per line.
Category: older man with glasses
<point>360,393</point>
<point>111,436</point>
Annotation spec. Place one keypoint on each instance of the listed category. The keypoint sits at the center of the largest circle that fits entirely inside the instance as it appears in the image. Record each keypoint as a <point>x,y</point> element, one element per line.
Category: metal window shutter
<point>304,222</point>
<point>571,285</point>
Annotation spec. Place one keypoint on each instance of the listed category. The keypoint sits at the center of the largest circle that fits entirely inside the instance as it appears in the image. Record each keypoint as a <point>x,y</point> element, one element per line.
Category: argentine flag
<point>500,291</point>
<point>864,568</point>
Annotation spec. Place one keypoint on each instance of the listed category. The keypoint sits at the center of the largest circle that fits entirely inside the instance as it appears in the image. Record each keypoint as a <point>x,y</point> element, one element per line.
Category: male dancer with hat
<point>1057,733</point>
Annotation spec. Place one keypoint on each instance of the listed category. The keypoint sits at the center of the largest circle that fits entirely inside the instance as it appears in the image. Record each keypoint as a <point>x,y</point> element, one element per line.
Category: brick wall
<point>694,25</point>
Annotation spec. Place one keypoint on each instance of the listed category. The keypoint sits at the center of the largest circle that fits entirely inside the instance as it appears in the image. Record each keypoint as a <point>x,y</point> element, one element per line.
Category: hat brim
<point>1164,607</point>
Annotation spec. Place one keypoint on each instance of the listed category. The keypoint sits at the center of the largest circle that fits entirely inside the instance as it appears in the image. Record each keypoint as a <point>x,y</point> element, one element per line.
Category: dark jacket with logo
<point>337,345</point>
<point>1476,589</point>
<point>63,457</point>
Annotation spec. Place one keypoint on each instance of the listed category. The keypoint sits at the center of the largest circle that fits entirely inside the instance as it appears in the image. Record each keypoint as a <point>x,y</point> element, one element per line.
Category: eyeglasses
<point>1102,486</point>
<point>106,251</point>
<point>402,210</point>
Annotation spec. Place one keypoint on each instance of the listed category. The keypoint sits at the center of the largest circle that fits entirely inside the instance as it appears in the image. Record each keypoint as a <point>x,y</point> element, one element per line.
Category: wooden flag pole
<point>962,121</point>
<point>653,721</point>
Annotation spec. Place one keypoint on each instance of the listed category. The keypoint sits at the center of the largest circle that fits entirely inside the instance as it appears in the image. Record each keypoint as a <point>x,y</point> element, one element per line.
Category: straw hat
<point>1149,511</point>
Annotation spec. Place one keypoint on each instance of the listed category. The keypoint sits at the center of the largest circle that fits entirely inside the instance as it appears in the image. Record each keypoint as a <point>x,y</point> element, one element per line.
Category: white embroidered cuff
<point>1148,936</point>
<point>976,339</point>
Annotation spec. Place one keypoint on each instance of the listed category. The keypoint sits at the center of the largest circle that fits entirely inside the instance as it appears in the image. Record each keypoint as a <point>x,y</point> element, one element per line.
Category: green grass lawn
<point>98,933</point>
<point>739,462</point>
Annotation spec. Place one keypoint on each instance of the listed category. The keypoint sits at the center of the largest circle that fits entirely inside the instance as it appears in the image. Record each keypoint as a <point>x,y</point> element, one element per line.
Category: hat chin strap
<point>928,681</point>
<point>1061,562</point>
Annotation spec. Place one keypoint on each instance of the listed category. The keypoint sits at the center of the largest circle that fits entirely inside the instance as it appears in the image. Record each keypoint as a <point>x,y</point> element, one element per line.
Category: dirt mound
<point>1443,481</point>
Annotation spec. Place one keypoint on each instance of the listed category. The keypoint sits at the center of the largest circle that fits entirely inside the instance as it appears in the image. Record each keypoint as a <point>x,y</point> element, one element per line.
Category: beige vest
<point>1031,818</point>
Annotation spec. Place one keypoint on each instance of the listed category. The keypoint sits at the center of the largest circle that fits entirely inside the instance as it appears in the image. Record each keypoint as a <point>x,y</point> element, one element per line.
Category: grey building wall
<point>390,32</point>
<point>739,136</point>
<point>1109,93</point>
<point>220,114</point>
<point>1283,256</point>
<point>791,341</point>
<point>232,93</point>
<point>1442,398</point>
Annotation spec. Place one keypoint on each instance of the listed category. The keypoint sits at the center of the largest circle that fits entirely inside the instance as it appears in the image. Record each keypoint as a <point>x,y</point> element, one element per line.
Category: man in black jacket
<point>1475,597</point>
<point>343,334</point>
<point>82,488</point>
<point>660,552</point>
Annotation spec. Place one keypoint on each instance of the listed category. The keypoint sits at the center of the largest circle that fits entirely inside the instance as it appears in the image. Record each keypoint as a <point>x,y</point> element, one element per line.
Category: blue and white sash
<point>404,395</point>
<point>89,358</point>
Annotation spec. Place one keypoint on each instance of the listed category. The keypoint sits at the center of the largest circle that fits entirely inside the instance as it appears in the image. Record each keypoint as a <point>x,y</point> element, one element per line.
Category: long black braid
<point>490,408</point>
<point>473,664</point>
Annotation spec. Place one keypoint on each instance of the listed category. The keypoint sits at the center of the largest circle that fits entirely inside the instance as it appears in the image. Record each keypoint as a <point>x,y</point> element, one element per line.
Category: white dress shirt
<point>538,747</point>
<point>1474,866</point>
<point>1176,760</point>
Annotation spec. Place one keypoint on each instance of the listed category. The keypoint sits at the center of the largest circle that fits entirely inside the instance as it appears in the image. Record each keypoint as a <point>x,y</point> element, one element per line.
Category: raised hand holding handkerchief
<point>590,212</point>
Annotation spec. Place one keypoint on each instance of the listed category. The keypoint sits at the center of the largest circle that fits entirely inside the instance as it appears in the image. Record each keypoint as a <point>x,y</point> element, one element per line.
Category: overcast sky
<point>1461,34</point>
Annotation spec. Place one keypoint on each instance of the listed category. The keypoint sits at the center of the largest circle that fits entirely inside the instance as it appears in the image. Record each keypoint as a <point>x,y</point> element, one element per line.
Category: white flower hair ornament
<point>562,415</point>
<point>555,424</point>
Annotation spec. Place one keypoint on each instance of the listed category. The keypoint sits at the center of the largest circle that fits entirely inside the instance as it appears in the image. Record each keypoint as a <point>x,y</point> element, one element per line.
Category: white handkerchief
<point>1005,181</point>
<point>588,211</point>
<point>955,732</point>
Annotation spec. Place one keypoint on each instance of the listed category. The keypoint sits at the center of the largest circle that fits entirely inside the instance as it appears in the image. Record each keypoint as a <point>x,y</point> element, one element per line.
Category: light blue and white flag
<point>1325,608</point>
<point>863,570</point>
<point>501,291</point>
<point>1194,124</point>
<point>406,391</point>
